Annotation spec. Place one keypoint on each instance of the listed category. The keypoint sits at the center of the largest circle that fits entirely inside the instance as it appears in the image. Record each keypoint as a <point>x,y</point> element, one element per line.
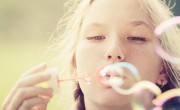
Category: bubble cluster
<point>125,79</point>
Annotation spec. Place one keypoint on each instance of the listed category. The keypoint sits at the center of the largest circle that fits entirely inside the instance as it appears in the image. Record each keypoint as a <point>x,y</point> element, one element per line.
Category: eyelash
<point>96,38</point>
<point>140,39</point>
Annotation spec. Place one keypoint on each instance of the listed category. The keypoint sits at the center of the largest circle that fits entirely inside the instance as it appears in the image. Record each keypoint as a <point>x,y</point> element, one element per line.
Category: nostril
<point>109,57</point>
<point>119,57</point>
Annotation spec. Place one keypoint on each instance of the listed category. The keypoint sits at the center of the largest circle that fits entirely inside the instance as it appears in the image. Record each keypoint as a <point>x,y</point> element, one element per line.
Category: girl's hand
<point>25,95</point>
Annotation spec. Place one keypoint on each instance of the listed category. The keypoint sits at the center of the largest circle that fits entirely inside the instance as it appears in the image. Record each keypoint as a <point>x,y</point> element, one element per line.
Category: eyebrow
<point>140,22</point>
<point>133,22</point>
<point>93,25</point>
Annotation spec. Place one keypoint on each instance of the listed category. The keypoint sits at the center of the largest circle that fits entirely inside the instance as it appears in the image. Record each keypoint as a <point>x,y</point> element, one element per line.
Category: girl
<point>96,33</point>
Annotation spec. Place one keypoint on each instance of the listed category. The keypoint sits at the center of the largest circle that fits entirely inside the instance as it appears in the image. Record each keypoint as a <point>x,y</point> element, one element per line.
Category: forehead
<point>114,12</point>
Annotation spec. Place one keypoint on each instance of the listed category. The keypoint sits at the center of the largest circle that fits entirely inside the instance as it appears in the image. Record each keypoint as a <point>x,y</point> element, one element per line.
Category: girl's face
<point>115,31</point>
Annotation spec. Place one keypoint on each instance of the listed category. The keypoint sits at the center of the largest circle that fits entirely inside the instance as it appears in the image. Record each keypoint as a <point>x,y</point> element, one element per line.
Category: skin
<point>116,42</point>
<point>25,96</point>
<point>114,31</point>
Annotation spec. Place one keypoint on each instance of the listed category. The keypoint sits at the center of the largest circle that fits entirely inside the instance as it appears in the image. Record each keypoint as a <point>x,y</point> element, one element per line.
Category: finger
<point>27,81</point>
<point>33,80</point>
<point>45,96</point>
<point>36,69</point>
<point>5,105</point>
<point>40,107</point>
<point>31,103</point>
<point>28,92</point>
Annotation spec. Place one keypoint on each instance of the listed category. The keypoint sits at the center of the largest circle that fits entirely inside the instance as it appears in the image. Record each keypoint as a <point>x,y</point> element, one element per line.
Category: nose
<point>115,54</point>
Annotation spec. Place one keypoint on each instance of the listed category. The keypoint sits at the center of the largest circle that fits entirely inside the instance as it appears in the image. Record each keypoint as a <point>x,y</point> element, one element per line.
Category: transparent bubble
<point>120,76</point>
<point>169,100</point>
<point>164,31</point>
<point>142,100</point>
<point>88,78</point>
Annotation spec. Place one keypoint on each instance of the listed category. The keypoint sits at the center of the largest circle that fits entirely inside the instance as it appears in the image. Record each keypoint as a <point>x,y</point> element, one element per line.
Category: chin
<point>112,98</point>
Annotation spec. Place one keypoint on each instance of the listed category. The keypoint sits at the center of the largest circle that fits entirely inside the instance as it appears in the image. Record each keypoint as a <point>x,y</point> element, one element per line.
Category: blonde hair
<point>66,36</point>
<point>157,12</point>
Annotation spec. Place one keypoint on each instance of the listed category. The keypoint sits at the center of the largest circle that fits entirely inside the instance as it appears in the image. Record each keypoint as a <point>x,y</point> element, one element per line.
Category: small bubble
<point>87,78</point>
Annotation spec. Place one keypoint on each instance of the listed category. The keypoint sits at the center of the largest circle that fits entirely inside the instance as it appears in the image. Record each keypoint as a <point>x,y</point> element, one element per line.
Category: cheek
<point>147,62</point>
<point>88,59</point>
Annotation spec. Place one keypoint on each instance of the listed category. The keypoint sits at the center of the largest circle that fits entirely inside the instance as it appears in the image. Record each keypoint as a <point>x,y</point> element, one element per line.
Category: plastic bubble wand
<point>55,81</point>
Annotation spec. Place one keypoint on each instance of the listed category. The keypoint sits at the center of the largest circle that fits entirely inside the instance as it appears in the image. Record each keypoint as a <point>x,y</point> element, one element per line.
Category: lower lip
<point>111,91</point>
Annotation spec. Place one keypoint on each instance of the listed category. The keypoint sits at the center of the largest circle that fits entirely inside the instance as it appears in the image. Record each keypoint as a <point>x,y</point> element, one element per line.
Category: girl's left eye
<point>140,39</point>
<point>96,38</point>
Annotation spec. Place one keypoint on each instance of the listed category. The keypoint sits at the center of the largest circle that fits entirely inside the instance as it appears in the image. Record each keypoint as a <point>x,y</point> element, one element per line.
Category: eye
<point>138,39</point>
<point>96,38</point>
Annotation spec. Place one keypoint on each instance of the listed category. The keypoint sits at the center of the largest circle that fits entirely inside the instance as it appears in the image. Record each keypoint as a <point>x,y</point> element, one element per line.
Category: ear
<point>162,77</point>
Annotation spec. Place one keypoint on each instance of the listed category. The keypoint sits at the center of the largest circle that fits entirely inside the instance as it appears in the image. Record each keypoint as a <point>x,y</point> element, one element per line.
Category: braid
<point>79,98</point>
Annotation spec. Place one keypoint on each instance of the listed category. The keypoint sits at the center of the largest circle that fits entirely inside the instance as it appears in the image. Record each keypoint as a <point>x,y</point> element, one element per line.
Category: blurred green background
<point>25,26</point>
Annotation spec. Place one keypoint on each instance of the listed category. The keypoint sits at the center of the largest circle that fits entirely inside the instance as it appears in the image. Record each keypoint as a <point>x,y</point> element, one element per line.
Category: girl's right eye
<point>96,38</point>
